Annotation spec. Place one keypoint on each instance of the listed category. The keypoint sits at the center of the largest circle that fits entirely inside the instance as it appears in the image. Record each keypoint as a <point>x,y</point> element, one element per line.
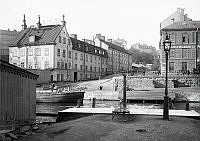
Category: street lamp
<point>167,46</point>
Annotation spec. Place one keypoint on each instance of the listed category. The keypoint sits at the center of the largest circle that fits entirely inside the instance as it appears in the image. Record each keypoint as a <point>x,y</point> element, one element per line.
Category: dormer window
<point>32,39</point>
<point>86,47</point>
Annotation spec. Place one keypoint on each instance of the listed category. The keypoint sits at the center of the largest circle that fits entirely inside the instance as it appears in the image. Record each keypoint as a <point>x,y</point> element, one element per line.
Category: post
<point>166,97</point>
<point>93,102</point>
<point>124,92</point>
<point>187,106</point>
<point>196,63</point>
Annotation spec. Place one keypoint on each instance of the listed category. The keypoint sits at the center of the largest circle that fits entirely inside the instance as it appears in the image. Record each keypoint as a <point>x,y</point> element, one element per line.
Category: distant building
<point>177,16</point>
<point>17,96</point>
<point>44,48</point>
<point>145,48</point>
<point>89,61</point>
<point>120,42</point>
<point>119,59</point>
<point>184,55</point>
<point>6,37</point>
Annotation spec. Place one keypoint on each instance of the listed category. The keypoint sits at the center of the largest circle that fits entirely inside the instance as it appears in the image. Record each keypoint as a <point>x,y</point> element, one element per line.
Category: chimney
<point>39,24</point>
<point>103,38</point>
<point>24,26</point>
<point>98,36</point>
<point>109,40</point>
<point>63,21</point>
<point>74,36</point>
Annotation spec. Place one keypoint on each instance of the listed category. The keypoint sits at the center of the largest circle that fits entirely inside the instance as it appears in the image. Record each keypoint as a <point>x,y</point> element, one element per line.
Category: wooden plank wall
<point>17,98</point>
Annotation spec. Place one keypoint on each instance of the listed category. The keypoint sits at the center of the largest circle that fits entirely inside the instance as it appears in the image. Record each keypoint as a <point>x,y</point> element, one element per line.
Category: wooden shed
<point>18,95</point>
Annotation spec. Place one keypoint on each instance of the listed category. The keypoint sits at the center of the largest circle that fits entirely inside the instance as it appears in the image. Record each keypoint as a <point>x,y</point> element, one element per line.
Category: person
<point>52,87</point>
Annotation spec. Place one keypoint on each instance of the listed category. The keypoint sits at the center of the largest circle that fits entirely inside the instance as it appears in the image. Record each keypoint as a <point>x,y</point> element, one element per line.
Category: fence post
<point>187,106</point>
<point>93,102</point>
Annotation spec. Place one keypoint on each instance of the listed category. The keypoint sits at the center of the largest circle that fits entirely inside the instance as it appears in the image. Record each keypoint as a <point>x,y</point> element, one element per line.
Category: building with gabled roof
<point>119,59</point>
<point>89,61</point>
<point>44,48</point>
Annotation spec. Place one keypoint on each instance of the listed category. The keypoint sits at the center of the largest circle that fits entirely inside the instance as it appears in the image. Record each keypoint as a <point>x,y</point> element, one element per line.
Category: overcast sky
<point>136,21</point>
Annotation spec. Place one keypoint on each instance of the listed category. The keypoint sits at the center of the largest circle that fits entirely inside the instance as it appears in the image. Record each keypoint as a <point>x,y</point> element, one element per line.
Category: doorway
<point>75,76</point>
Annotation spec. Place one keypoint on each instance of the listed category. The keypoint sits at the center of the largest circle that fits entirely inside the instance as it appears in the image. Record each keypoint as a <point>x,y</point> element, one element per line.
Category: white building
<point>44,48</point>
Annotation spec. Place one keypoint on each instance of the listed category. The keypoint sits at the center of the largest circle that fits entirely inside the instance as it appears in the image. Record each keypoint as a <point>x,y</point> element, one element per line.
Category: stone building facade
<point>89,61</point>
<point>184,55</point>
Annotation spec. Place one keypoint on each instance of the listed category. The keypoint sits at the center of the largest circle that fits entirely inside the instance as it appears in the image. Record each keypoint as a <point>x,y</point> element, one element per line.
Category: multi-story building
<point>89,61</point>
<point>119,59</point>
<point>44,48</point>
<point>184,55</point>
<point>6,37</point>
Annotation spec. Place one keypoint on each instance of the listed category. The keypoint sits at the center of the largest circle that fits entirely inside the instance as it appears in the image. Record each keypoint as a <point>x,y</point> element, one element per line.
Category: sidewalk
<point>102,128</point>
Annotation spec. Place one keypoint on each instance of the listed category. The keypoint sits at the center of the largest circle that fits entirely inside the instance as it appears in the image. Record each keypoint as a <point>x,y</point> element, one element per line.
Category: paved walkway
<point>184,113</point>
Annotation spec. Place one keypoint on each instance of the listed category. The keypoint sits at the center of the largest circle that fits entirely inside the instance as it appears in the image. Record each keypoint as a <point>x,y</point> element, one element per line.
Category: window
<point>22,52</point>
<point>95,69</point>
<point>37,65</point>
<point>30,51</point>
<point>86,67</point>
<point>81,58</point>
<point>14,52</point>
<point>184,66</point>
<point>171,66</point>
<point>81,67</point>
<point>75,66</point>
<point>46,51</point>
<point>58,52</point>
<point>62,65</point>
<point>64,53</point>
<point>185,53</point>
<point>70,54</point>
<point>37,51</point>
<point>70,65</point>
<point>76,56</point>
<point>60,39</point>
<point>90,68</point>
<point>64,40</point>
<point>30,65</point>
<point>58,64</point>
<point>91,58</point>
<point>22,64</point>
<point>86,58</point>
<point>95,58</point>
<point>46,64</point>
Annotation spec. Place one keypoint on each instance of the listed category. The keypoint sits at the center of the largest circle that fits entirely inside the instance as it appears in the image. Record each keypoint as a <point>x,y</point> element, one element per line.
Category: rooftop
<point>88,48</point>
<point>116,47</point>
<point>45,35</point>
<point>183,25</point>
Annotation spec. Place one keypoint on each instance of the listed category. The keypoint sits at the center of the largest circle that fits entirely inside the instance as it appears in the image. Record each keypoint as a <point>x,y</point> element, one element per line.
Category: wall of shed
<point>17,98</point>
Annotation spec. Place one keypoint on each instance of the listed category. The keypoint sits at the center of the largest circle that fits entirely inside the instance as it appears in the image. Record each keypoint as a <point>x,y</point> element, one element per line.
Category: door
<point>75,76</point>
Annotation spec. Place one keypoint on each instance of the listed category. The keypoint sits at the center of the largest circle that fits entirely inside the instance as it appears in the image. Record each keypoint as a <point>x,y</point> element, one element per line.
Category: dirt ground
<point>102,128</point>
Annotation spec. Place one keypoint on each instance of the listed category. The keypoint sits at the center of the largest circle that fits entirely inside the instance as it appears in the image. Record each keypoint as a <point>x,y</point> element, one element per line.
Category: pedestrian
<point>52,87</point>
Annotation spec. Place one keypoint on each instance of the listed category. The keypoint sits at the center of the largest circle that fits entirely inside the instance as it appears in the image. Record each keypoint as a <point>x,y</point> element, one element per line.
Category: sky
<point>136,21</point>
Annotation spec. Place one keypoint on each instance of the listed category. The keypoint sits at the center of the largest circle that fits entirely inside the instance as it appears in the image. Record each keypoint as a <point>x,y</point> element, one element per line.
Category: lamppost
<point>167,46</point>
